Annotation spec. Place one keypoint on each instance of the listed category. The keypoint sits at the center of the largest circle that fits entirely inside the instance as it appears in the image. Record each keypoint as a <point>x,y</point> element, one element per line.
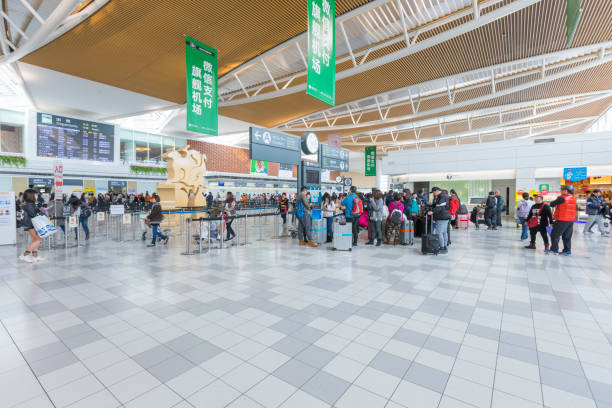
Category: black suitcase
<point>430,243</point>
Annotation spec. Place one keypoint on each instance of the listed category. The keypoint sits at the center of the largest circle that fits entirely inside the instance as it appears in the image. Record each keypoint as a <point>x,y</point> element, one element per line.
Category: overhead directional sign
<point>265,144</point>
<point>334,158</point>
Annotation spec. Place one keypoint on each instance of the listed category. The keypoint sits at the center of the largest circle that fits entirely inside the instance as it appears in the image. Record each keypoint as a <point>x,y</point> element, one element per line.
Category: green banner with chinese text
<point>370,161</point>
<point>322,50</point>
<point>201,64</point>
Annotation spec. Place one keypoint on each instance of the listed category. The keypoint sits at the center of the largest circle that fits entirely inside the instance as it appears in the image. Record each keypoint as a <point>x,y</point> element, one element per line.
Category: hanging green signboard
<point>201,62</point>
<point>572,15</point>
<point>322,50</point>
<point>370,161</point>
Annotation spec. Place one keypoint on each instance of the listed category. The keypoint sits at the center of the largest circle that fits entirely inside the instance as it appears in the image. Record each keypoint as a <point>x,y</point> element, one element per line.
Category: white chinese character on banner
<point>207,103</point>
<point>207,66</point>
<point>196,71</point>
<point>208,91</point>
<point>196,84</point>
<point>326,59</point>
<point>326,8</point>
<point>315,48</point>
<point>316,10</point>
<point>196,108</point>
<point>196,97</point>
<point>316,29</point>
<point>208,79</point>
<point>316,65</point>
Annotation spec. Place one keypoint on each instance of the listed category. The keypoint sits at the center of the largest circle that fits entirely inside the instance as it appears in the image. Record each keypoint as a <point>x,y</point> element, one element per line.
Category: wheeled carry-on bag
<point>406,236</point>
<point>462,221</point>
<point>343,236</point>
<point>430,243</point>
<point>319,230</point>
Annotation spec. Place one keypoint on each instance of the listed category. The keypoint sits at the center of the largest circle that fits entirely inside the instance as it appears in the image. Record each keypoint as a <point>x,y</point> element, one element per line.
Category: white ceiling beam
<point>37,16</point>
<point>348,43</point>
<point>12,25</point>
<point>263,62</point>
<point>400,8</point>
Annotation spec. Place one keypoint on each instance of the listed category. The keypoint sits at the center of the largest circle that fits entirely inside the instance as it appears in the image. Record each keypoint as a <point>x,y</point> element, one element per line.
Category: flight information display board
<point>68,138</point>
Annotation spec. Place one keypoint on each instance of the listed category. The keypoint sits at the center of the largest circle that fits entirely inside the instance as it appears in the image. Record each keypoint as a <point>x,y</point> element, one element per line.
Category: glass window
<point>168,143</point>
<point>155,148</point>
<point>127,150</point>
<point>11,138</point>
<point>141,146</point>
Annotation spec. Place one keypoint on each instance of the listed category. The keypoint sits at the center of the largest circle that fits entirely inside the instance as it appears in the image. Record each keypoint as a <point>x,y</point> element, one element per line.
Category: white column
<point>525,179</point>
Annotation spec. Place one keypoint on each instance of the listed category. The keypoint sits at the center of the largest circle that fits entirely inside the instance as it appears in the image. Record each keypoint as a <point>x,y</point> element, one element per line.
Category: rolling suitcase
<point>319,230</point>
<point>462,221</point>
<point>407,233</point>
<point>430,243</point>
<point>343,236</point>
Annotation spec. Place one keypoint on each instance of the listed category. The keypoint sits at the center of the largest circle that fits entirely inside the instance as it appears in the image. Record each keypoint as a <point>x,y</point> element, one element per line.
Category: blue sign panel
<point>575,173</point>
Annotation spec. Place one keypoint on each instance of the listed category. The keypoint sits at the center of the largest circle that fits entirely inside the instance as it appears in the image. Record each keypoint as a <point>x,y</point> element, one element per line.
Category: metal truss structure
<point>375,34</point>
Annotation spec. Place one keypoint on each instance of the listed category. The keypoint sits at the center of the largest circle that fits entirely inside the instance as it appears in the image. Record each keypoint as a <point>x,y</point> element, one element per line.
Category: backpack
<point>299,209</point>
<point>523,210</point>
<point>85,211</point>
<point>462,209</point>
<point>396,216</point>
<point>357,207</point>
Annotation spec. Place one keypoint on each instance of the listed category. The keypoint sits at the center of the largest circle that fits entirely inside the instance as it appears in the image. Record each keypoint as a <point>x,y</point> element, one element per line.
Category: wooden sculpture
<point>185,185</point>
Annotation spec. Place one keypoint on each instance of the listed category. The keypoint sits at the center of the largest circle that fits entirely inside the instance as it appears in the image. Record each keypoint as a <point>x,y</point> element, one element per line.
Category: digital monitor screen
<point>312,176</point>
<point>67,138</point>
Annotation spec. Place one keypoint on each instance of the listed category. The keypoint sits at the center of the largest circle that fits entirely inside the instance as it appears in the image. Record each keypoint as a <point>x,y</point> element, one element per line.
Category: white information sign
<point>100,216</point>
<point>127,219</point>
<point>58,171</point>
<point>8,220</point>
<point>73,222</point>
<point>117,209</point>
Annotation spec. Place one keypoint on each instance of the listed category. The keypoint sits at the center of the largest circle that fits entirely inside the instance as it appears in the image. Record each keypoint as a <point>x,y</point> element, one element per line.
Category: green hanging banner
<point>572,15</point>
<point>370,161</point>
<point>322,50</point>
<point>201,62</point>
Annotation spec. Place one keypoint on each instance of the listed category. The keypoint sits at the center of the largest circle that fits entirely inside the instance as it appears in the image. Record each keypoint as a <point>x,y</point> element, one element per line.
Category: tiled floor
<point>273,325</point>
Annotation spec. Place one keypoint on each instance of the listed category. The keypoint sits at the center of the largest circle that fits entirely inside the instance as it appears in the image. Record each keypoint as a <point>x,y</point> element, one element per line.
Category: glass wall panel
<point>168,143</point>
<point>155,148</point>
<point>141,146</point>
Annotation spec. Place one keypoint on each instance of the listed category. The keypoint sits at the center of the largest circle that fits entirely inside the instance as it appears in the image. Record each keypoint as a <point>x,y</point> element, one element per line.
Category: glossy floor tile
<point>272,324</point>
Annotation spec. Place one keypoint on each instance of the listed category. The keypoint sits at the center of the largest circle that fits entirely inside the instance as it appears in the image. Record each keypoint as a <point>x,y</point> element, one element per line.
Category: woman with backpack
<point>230,210</point>
<point>522,212</point>
<point>84,214</point>
<point>30,212</point>
<point>540,216</point>
<point>394,222</point>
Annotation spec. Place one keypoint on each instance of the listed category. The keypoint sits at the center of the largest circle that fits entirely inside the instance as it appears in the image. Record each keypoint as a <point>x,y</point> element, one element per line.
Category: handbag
<point>43,226</point>
<point>535,221</point>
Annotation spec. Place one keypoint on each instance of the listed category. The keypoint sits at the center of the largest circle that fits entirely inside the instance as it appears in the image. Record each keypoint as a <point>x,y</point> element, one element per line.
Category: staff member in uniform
<point>563,226</point>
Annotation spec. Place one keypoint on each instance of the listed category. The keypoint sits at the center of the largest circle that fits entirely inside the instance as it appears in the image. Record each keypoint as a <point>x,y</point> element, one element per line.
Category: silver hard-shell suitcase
<point>343,236</point>
<point>319,231</point>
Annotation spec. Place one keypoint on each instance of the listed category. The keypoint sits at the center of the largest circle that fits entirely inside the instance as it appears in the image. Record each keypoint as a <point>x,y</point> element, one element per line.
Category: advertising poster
<point>201,81</point>
<point>322,50</point>
<point>575,173</point>
<point>259,167</point>
<point>58,171</point>
<point>117,209</point>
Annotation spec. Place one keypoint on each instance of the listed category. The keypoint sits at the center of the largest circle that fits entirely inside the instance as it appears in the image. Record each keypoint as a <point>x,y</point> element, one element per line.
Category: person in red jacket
<point>564,216</point>
<point>454,203</point>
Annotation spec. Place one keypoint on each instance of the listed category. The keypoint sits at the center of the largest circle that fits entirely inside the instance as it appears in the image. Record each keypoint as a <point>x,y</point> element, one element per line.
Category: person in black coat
<point>542,211</point>
<point>491,211</point>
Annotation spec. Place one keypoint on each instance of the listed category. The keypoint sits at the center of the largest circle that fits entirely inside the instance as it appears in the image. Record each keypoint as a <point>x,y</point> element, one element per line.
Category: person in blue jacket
<point>347,206</point>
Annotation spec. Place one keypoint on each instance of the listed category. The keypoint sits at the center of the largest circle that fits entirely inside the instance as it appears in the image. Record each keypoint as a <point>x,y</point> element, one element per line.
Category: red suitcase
<point>463,221</point>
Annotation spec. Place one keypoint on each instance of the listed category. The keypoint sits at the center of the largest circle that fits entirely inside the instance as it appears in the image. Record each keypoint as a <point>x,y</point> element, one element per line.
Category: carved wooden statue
<point>185,185</point>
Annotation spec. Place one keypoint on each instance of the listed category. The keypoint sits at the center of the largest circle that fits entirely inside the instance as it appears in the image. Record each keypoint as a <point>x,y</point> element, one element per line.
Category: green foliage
<point>148,170</point>
<point>17,161</point>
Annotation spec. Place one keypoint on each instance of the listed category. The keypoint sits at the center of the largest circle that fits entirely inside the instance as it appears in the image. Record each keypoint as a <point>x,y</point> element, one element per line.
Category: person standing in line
<point>543,218</point>
<point>328,209</point>
<point>304,207</point>
<point>454,203</point>
<point>441,217</point>
<point>209,199</point>
<point>522,212</point>
<point>351,216</point>
<point>283,207</point>
<point>394,220</point>
<point>594,208</point>
<point>30,212</point>
<point>500,207</point>
<point>564,216</point>
<point>491,211</point>
<point>376,215</point>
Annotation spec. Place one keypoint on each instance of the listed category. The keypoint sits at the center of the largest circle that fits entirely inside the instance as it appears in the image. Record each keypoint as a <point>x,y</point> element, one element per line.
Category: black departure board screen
<point>68,138</point>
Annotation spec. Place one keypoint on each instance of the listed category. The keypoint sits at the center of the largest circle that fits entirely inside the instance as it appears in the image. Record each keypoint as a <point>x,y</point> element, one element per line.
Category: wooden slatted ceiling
<point>138,44</point>
<point>535,30</point>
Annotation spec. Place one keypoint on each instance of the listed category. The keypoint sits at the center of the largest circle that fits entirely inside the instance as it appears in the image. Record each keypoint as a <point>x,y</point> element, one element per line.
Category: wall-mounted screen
<point>312,176</point>
<point>67,138</point>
